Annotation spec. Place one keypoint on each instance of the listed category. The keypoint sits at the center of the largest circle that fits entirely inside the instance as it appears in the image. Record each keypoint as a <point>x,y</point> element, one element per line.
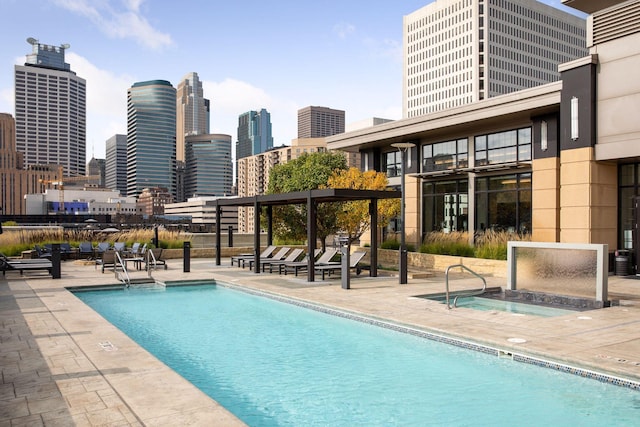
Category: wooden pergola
<point>311,198</point>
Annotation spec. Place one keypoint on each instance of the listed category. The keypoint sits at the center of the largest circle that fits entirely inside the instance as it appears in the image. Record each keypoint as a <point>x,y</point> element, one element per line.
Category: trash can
<point>623,263</point>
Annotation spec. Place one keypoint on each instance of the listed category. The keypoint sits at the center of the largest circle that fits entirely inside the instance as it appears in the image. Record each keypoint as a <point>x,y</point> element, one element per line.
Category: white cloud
<point>344,29</point>
<point>123,24</point>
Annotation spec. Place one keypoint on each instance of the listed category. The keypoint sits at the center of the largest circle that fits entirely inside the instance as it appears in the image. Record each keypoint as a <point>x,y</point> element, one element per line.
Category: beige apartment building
<point>559,161</point>
<point>253,172</point>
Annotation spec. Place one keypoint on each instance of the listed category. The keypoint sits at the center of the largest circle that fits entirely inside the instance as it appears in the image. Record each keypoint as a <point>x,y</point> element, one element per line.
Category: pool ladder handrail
<point>151,260</point>
<point>466,294</point>
<point>126,279</point>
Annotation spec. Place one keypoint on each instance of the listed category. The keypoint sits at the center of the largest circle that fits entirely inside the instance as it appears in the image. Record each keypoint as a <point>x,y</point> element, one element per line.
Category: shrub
<point>390,244</point>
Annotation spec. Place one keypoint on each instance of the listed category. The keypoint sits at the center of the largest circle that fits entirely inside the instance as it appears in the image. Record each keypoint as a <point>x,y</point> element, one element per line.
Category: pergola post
<point>312,236</point>
<point>256,235</point>
<point>373,256</point>
<point>218,231</point>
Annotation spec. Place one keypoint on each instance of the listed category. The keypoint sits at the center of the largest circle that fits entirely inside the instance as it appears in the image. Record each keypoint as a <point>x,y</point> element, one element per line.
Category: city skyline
<point>345,55</point>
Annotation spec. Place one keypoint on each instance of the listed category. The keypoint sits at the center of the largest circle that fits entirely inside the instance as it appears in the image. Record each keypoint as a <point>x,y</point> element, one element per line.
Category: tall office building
<point>151,136</point>
<point>208,165</point>
<point>318,122</point>
<point>116,163</point>
<point>192,111</point>
<point>254,133</point>
<point>50,102</point>
<point>460,51</point>
<point>96,168</point>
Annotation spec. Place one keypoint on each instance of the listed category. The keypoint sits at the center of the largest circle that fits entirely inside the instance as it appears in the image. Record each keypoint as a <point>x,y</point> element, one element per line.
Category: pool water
<point>277,364</point>
<point>489,304</point>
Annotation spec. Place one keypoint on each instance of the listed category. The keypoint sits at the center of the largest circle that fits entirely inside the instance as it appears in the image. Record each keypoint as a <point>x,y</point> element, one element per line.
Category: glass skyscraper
<point>192,112</point>
<point>209,170</point>
<point>254,133</point>
<point>151,136</point>
<point>51,112</point>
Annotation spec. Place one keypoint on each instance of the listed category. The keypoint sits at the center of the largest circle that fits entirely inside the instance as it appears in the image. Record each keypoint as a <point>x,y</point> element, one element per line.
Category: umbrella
<point>90,220</point>
<point>110,230</point>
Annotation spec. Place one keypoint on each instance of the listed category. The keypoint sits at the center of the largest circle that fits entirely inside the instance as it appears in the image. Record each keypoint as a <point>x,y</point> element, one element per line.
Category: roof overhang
<point>591,6</point>
<point>521,105</point>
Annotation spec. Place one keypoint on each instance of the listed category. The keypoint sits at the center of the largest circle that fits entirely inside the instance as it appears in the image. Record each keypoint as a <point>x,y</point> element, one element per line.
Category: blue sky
<point>281,55</point>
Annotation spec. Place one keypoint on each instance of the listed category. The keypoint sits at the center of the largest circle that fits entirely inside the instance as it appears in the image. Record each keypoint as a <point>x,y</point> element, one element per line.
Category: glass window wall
<point>445,206</point>
<point>503,203</point>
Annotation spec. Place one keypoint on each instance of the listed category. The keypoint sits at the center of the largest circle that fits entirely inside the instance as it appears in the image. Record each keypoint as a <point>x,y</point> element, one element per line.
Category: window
<point>392,163</point>
<point>503,147</point>
<point>503,203</point>
<point>445,206</point>
<point>445,155</point>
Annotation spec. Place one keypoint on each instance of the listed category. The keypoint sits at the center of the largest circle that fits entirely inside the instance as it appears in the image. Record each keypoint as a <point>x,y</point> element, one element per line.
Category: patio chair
<point>293,256</point>
<point>85,249</point>
<point>281,254</point>
<point>264,254</point>
<point>102,247</point>
<point>156,259</point>
<point>356,257</point>
<point>119,246</point>
<point>42,252</point>
<point>135,249</point>
<point>66,251</point>
<point>108,259</point>
<point>325,258</point>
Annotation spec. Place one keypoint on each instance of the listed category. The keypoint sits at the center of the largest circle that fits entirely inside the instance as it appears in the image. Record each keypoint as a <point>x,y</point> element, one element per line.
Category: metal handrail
<point>471,293</point>
<point>150,256</point>
<point>127,279</point>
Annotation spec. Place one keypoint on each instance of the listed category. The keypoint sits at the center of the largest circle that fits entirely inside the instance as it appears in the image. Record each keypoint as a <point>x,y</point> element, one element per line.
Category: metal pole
<point>403,244</point>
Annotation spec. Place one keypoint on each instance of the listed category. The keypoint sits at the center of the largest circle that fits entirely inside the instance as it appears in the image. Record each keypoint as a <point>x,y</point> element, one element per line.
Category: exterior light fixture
<point>544,144</point>
<point>574,118</point>
<point>403,148</point>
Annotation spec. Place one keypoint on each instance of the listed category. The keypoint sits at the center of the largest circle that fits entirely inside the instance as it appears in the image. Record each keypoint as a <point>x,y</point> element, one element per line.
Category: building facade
<point>254,133</point>
<point>208,165</point>
<point>461,51</point>
<point>116,163</point>
<point>152,200</point>
<point>15,180</point>
<point>86,201</point>
<point>192,112</point>
<point>151,136</point>
<point>203,215</point>
<point>97,168</point>
<point>50,108</point>
<point>318,122</point>
<point>557,161</point>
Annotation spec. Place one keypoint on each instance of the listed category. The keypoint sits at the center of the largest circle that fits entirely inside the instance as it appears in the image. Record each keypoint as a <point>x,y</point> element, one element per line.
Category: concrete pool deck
<point>62,364</point>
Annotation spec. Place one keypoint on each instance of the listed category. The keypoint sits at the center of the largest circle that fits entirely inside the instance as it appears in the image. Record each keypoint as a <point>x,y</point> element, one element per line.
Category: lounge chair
<point>324,259</point>
<point>293,256</point>
<point>85,249</point>
<point>356,257</point>
<point>264,254</point>
<point>108,259</point>
<point>24,265</point>
<point>281,254</point>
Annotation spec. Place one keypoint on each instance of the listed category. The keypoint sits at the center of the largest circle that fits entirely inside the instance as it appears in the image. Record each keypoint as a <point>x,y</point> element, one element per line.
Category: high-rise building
<point>208,165</point>
<point>192,111</point>
<point>116,163</point>
<point>318,122</point>
<point>97,168</point>
<point>15,180</point>
<point>460,51</point>
<point>254,133</point>
<point>50,102</point>
<point>151,136</point>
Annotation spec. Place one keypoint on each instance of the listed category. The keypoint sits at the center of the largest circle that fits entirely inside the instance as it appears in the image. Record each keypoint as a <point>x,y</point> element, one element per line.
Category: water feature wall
<point>578,270</point>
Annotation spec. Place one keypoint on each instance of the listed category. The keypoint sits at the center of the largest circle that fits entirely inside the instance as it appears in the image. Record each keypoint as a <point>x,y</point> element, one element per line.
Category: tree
<point>354,219</point>
<point>307,172</point>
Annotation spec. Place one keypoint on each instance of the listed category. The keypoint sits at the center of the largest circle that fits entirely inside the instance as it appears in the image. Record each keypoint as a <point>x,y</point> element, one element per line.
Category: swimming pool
<point>278,364</point>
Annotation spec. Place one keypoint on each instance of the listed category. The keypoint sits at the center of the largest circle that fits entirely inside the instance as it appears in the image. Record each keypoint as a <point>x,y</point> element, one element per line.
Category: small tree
<point>354,219</point>
<point>307,172</point>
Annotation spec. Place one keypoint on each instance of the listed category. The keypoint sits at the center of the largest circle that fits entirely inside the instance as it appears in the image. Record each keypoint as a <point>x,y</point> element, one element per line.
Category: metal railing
<point>151,260</point>
<point>465,294</point>
<point>126,279</point>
